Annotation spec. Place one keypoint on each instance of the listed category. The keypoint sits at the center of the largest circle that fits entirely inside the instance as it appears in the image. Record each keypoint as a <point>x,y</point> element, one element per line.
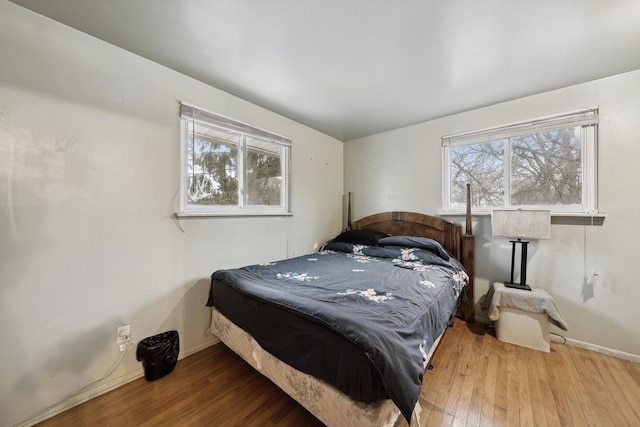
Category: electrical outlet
<point>123,335</point>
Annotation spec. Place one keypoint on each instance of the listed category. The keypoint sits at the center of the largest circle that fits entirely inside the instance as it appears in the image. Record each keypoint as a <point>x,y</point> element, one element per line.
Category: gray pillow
<point>416,242</point>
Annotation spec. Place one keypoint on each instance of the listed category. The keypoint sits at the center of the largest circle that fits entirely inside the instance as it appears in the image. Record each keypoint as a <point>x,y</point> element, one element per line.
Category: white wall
<point>89,171</point>
<point>401,170</point>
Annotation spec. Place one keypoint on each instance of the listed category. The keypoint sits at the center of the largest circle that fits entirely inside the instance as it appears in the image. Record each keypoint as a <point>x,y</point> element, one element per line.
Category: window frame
<point>190,113</point>
<point>586,118</point>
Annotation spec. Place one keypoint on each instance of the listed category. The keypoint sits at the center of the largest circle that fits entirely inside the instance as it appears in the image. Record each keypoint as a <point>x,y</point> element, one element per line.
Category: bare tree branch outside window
<point>545,169</point>
<point>482,166</point>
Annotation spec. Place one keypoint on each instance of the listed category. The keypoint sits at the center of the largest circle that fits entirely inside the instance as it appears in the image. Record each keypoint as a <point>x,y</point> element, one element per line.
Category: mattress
<point>323,400</point>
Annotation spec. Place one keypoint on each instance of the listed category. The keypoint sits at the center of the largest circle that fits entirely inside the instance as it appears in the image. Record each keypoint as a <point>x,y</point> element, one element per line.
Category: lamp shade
<point>521,223</point>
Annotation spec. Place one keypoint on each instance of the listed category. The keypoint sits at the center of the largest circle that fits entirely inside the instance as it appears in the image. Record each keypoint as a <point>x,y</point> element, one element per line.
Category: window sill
<point>197,215</point>
<point>564,218</point>
<point>596,218</point>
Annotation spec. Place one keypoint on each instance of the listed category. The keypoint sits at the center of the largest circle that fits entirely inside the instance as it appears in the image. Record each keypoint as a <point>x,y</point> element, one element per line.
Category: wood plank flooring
<point>477,381</point>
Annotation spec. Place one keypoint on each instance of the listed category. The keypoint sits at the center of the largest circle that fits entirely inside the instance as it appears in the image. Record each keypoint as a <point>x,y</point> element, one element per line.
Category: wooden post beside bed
<point>468,261</point>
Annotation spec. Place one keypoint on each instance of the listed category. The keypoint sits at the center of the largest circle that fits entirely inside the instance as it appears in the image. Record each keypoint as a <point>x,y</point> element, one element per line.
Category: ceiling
<point>352,68</point>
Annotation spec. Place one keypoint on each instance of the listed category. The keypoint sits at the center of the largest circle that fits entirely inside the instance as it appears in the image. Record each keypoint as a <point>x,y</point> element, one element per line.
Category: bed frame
<point>324,401</point>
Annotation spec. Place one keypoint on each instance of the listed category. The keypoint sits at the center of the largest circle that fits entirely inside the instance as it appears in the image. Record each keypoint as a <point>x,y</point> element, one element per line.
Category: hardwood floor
<point>477,381</point>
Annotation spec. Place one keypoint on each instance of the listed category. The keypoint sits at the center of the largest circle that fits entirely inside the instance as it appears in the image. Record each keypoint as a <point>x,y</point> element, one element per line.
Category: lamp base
<point>517,286</point>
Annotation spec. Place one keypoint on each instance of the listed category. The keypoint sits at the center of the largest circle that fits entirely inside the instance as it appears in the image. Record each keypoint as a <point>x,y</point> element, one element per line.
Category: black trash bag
<point>158,354</point>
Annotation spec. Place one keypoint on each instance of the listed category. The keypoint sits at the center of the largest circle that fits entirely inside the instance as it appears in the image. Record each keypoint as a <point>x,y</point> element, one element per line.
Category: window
<point>229,168</point>
<point>545,163</point>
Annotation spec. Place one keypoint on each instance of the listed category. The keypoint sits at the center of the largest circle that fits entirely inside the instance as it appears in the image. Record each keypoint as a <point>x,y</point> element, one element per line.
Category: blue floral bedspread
<point>392,302</point>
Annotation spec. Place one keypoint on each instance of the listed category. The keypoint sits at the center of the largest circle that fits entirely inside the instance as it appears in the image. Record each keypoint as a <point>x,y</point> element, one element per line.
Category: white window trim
<point>186,210</point>
<point>585,117</point>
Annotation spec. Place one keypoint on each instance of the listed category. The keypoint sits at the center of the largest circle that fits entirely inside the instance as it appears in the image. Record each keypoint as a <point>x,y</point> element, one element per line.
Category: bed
<point>348,331</point>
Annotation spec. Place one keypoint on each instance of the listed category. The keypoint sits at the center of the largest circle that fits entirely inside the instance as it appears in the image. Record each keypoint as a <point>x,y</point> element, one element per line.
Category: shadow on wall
<point>72,354</point>
<point>70,358</point>
<point>583,331</point>
<point>192,318</point>
<point>74,56</point>
<point>69,365</point>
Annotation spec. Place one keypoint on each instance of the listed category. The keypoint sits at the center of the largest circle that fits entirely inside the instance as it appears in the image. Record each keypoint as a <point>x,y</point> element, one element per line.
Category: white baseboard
<point>604,350</point>
<point>100,389</point>
<point>89,394</point>
<point>196,348</point>
<point>483,319</point>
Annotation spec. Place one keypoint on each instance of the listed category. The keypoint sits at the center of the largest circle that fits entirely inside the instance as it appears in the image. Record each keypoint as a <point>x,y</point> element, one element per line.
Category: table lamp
<point>520,225</point>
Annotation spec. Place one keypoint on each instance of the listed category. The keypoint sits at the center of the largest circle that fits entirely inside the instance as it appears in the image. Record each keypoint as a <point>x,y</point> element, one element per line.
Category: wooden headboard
<point>414,224</point>
<point>447,233</point>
